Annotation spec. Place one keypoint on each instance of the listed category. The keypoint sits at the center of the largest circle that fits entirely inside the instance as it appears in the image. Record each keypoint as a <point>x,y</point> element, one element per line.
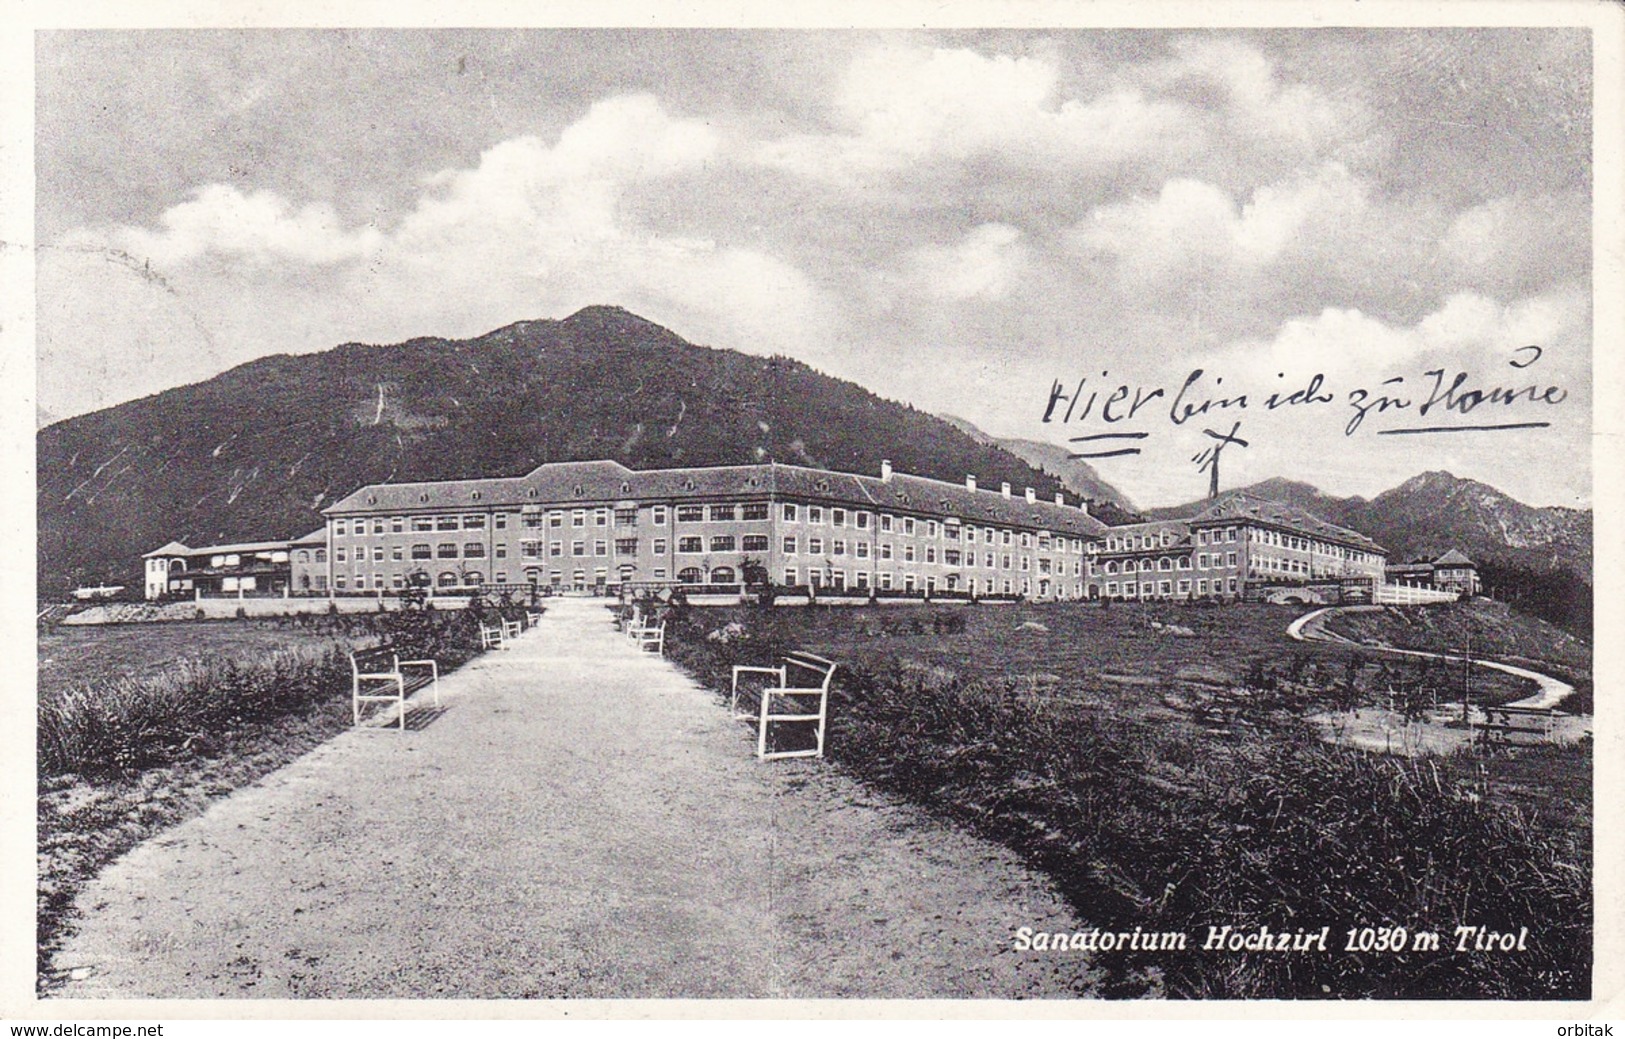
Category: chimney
<point>1060,499</point>
<point>1004,488</point>
<point>1032,496</point>
<point>885,470</point>
<point>970,482</point>
<point>1083,503</point>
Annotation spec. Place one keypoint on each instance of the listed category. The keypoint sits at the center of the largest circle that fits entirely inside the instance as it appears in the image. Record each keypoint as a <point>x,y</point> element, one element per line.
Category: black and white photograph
<point>1040,508</point>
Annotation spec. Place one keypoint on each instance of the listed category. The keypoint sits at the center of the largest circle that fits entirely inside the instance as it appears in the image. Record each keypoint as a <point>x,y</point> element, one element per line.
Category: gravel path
<point>578,820</point>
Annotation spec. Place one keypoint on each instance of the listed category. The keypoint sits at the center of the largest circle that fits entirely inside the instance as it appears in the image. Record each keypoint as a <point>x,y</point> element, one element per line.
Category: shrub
<point>1152,827</point>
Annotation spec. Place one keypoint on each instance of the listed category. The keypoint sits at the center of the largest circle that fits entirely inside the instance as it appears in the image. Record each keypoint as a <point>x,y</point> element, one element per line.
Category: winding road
<point>1311,628</point>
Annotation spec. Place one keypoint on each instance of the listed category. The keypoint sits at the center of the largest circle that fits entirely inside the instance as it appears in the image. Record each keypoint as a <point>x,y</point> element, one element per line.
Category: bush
<point>1148,827</point>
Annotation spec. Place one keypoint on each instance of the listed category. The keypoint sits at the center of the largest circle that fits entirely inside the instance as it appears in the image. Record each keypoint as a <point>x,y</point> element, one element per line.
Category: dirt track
<point>578,820</point>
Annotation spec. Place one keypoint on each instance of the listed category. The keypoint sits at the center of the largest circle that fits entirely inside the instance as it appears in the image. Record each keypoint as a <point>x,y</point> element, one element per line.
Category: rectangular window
<point>600,547</point>
<point>723,543</point>
<point>862,549</point>
<point>863,524</point>
<point>626,546</point>
<point>885,527</point>
<point>660,546</point>
<point>788,513</point>
<point>789,575</point>
<point>722,512</point>
<point>837,548</point>
<point>578,518</point>
<point>691,545</point>
<point>930,528</point>
<point>422,523</point>
<point>533,520</point>
<point>502,552</point>
<point>885,582</point>
<point>397,553</point>
<point>753,543</point>
<point>837,517</point>
<point>341,527</point>
<point>930,553</point>
<point>378,553</point>
<point>445,523</point>
<point>815,514</point>
<point>474,550</point>
<point>908,582</point>
<point>338,554</point>
<point>378,526</point>
<point>885,550</point>
<point>578,549</point>
<point>445,550</point>
<point>600,517</point>
<point>660,573</point>
<point>555,549</point>
<point>863,579</point>
<point>908,525</point>
<point>657,515</point>
<point>1230,559</point>
<point>789,546</point>
<point>476,522</point>
<point>397,524</point>
<point>421,552</point>
<point>626,517</point>
<point>989,561</point>
<point>690,513</point>
<point>753,511</point>
<point>908,553</point>
<point>500,521</point>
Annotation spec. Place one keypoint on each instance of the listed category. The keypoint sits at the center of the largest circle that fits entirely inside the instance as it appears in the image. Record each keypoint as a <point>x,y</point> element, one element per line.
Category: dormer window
<point>531,493</point>
<point>423,497</point>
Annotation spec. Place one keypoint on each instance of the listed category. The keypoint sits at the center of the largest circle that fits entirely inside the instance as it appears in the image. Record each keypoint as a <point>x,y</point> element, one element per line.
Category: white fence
<point>1409,595</point>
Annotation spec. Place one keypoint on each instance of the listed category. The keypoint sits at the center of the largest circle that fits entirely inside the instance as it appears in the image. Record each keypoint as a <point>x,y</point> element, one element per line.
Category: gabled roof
<point>1454,558</point>
<point>1180,529</point>
<point>1241,506</point>
<point>174,548</point>
<point>561,483</point>
<point>315,537</point>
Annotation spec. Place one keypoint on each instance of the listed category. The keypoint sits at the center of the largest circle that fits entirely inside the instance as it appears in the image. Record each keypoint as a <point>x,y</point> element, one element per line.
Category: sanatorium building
<point>599,526</point>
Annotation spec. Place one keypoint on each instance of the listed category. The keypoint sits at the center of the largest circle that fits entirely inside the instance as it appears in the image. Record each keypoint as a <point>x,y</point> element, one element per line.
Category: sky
<point>961,220</point>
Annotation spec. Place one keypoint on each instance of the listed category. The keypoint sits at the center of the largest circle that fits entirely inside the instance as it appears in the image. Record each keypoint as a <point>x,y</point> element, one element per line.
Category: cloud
<point>223,221</point>
<point>1517,243</point>
<point>980,265</point>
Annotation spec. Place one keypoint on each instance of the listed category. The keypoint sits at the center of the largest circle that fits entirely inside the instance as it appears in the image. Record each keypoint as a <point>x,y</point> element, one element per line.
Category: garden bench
<point>789,696</point>
<point>383,669</point>
<point>511,630</point>
<point>1516,725</point>
<point>533,617</point>
<point>651,635</point>
<point>491,638</point>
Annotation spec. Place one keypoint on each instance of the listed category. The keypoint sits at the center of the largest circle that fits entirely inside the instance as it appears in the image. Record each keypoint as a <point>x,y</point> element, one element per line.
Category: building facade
<point>256,568</point>
<point>1235,547</point>
<point>1451,572</point>
<point>599,526</point>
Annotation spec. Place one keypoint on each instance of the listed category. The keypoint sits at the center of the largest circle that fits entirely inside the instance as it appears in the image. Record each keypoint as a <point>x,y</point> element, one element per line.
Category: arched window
<point>722,575</point>
<point>177,564</point>
<point>473,577</point>
<point>321,555</point>
<point>689,575</point>
<point>533,576</point>
<point>1165,563</point>
<point>447,579</point>
<point>304,556</point>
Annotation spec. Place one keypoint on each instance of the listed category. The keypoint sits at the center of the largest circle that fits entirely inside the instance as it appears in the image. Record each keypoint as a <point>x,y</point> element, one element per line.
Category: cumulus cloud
<point>980,265</point>
<point>222,220</point>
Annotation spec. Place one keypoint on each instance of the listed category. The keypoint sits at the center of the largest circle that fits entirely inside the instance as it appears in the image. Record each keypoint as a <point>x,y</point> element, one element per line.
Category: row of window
<point>1158,589</point>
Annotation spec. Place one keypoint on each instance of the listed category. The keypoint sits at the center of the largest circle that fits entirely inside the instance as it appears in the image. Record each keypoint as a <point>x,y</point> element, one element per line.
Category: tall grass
<point>1157,827</point>
<point>125,723</point>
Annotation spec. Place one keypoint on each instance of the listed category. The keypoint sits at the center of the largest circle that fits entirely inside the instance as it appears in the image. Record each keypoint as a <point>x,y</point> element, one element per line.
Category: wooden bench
<point>511,630</point>
<point>491,637</point>
<point>384,670</point>
<point>789,696</point>
<point>533,617</point>
<point>1516,725</point>
<point>650,636</point>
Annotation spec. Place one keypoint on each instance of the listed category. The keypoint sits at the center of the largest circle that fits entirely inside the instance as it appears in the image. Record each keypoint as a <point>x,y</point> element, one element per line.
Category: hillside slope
<point>257,451</point>
<point>1076,475</point>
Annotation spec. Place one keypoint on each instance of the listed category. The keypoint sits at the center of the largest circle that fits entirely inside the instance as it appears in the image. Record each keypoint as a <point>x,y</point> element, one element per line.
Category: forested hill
<point>257,451</point>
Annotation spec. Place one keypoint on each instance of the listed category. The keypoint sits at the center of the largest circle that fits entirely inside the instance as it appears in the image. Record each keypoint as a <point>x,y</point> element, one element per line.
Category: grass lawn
<point>89,655</point>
